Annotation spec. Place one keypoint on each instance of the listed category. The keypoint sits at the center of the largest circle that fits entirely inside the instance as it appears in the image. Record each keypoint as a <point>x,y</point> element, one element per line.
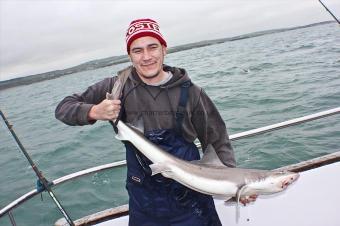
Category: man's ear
<point>164,49</point>
<point>129,58</point>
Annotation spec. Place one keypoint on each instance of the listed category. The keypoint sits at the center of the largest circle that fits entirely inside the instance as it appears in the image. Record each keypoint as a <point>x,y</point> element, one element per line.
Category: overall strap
<point>181,109</point>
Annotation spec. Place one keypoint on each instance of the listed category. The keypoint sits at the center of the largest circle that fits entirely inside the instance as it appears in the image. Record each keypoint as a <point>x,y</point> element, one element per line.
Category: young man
<point>174,112</point>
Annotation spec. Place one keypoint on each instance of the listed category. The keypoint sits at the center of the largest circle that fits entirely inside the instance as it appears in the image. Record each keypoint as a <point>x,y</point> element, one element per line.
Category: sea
<point>253,82</point>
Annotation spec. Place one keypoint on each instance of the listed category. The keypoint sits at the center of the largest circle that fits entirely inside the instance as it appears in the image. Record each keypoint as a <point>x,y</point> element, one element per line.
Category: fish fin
<point>210,157</point>
<point>157,168</point>
<point>238,196</point>
<point>109,96</point>
<point>228,199</point>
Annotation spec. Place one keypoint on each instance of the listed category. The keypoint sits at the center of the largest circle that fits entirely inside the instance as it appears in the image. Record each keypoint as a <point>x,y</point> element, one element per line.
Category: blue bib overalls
<point>159,201</point>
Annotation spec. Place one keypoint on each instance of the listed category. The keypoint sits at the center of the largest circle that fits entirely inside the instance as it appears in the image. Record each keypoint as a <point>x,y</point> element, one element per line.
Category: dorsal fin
<point>210,157</point>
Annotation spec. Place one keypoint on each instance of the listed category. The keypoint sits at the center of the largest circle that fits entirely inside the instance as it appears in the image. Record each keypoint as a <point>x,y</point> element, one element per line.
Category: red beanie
<point>141,28</point>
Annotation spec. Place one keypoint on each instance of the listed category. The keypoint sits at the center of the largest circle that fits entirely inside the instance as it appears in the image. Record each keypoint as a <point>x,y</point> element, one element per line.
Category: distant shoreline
<point>95,64</point>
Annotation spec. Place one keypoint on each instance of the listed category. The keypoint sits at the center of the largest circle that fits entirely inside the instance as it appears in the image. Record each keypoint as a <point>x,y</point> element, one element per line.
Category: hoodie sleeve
<point>211,129</point>
<point>73,110</point>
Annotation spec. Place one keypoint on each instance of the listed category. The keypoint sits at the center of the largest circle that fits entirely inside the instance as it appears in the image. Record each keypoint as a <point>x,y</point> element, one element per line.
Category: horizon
<point>90,60</point>
<point>66,41</point>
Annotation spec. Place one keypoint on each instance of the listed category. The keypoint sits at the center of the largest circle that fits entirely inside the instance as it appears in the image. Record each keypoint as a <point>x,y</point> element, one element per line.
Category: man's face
<point>147,56</point>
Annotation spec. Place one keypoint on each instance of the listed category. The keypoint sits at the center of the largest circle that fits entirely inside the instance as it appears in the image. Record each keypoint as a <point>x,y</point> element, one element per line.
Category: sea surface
<point>254,82</point>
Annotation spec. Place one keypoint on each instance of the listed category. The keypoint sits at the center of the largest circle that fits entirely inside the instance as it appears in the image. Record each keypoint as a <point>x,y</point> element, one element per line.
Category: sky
<point>38,36</point>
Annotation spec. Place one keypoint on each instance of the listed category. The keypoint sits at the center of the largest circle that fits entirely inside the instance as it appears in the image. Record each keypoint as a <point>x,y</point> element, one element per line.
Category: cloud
<point>39,36</point>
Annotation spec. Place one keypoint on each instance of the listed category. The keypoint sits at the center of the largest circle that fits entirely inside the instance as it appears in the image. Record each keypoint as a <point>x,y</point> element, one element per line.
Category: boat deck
<point>312,200</point>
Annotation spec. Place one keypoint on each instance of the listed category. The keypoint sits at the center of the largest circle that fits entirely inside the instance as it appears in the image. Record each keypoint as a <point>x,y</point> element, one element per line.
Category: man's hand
<point>105,110</point>
<point>248,199</point>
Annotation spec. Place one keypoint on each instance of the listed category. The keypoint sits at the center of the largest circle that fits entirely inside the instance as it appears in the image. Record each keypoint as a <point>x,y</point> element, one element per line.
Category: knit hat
<point>141,28</point>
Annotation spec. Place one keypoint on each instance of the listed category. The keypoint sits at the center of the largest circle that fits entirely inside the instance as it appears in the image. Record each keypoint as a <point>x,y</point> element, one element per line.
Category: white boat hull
<point>313,200</point>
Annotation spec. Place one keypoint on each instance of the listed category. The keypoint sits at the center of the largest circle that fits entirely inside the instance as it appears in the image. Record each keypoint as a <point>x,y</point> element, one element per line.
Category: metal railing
<point>7,209</point>
<point>285,124</point>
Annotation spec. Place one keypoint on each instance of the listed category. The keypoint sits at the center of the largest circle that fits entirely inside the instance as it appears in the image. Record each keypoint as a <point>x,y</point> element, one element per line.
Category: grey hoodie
<point>156,105</point>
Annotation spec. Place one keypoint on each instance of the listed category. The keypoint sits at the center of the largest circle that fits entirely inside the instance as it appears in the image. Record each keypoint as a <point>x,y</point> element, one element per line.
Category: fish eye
<point>281,172</point>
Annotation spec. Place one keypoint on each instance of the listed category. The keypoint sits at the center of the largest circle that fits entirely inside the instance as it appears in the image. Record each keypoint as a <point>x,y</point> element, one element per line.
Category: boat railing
<point>7,209</point>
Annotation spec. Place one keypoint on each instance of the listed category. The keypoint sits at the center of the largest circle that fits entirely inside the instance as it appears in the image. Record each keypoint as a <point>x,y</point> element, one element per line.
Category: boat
<point>311,201</point>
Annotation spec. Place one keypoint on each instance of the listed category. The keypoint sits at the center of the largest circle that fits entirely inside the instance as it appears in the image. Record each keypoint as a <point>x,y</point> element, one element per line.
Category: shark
<point>208,175</point>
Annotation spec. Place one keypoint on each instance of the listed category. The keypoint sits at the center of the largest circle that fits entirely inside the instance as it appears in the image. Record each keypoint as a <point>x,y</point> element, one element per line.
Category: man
<point>174,112</point>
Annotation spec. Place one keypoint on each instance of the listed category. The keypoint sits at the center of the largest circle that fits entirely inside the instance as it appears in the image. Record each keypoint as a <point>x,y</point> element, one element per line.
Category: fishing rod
<point>329,12</point>
<point>42,180</point>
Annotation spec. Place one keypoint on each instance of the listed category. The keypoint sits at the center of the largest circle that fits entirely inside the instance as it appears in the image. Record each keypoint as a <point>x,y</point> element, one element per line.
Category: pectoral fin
<point>158,168</point>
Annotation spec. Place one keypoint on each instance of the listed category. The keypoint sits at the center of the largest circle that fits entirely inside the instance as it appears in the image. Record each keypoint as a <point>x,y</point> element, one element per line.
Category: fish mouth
<point>289,180</point>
